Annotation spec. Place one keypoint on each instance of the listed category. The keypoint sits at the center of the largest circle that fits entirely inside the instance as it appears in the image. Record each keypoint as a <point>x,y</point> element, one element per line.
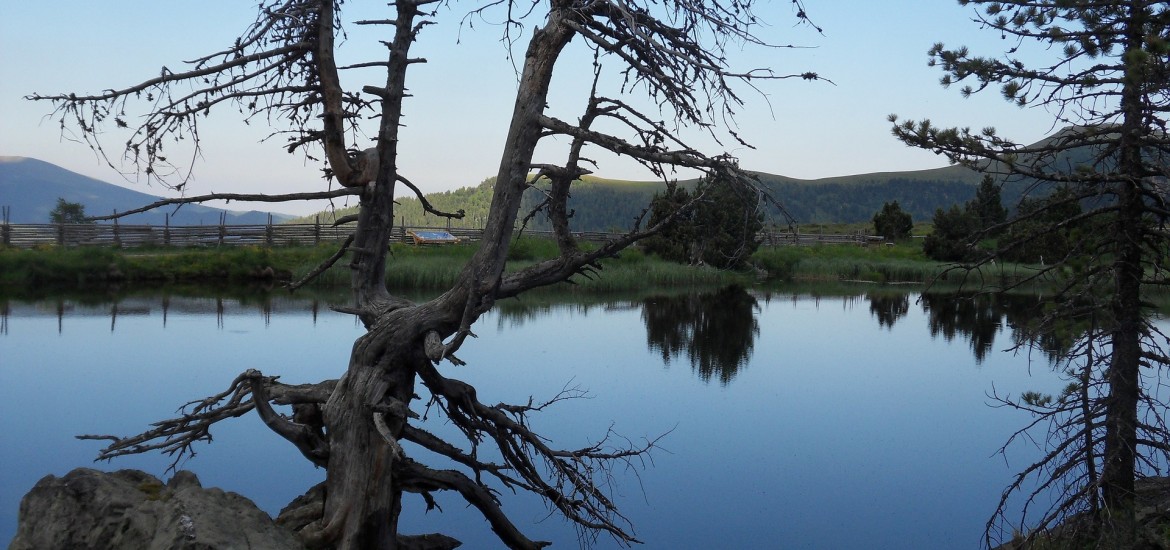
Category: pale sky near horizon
<point>874,52</point>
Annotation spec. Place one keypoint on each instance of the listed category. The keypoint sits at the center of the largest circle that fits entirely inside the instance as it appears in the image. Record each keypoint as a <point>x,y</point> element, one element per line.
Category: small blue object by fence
<point>432,237</point>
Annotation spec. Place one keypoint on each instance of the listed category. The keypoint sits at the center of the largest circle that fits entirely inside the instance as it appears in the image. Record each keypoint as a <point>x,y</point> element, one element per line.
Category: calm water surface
<point>794,420</point>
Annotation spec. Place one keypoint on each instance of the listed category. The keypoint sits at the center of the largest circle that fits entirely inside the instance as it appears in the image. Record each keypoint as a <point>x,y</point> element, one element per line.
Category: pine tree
<point>1106,79</point>
<point>987,206</point>
<point>720,230</point>
<point>892,223</point>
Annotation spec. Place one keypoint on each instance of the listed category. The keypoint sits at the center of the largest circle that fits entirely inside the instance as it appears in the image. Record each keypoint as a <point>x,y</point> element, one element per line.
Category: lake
<point>795,418</point>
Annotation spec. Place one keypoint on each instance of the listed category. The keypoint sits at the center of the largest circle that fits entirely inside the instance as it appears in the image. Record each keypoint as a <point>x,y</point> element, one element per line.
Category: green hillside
<point>600,205</point>
<point>854,199</point>
<point>613,205</point>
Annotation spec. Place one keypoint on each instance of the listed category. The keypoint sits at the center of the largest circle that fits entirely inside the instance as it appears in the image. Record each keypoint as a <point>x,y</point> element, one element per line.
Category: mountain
<point>600,204</point>
<point>30,189</point>
<point>604,205</point>
<point>856,198</point>
<point>612,205</point>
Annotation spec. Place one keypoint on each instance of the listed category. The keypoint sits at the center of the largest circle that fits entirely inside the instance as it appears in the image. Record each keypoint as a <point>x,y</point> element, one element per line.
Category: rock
<point>1153,523</point>
<point>130,509</point>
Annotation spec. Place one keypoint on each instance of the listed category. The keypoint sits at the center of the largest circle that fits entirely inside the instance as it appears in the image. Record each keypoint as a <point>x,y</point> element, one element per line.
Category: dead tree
<point>283,69</point>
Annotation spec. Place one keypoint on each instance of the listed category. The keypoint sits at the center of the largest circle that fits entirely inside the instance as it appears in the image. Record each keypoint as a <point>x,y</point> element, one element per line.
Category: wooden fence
<point>789,238</point>
<point>119,235</point>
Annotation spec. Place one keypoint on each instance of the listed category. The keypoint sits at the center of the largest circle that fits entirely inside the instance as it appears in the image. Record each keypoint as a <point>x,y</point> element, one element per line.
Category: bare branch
<point>235,197</point>
<point>323,266</point>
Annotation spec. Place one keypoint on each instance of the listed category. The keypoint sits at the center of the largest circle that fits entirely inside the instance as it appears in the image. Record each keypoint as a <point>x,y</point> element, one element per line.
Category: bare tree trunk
<point>1121,414</point>
<point>363,497</point>
<point>523,134</point>
<point>1121,419</point>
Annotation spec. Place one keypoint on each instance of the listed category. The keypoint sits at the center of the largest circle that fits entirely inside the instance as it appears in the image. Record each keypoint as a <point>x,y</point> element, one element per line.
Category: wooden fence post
<point>61,234</point>
<point>268,231</point>
<point>317,230</point>
<point>167,229</point>
<point>222,229</point>
<point>5,229</point>
<point>117,233</point>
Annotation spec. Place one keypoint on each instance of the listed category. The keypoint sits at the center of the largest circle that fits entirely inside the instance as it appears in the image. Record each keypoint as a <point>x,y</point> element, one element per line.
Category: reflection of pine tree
<point>973,316</point>
<point>716,330</point>
<point>888,308</point>
<point>978,318</point>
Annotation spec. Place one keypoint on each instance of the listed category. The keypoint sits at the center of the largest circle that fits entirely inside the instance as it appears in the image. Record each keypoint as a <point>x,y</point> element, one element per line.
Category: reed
<point>99,265</point>
<point>883,264</point>
<point>436,267</point>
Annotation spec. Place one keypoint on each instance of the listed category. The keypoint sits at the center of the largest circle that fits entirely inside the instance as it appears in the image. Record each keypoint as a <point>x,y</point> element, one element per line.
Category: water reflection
<point>201,301</point>
<point>979,317</point>
<point>888,308</point>
<point>898,425</point>
<point>716,331</point>
<point>976,317</point>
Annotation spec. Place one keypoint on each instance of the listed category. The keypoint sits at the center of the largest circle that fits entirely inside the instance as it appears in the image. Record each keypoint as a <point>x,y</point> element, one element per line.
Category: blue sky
<point>874,52</point>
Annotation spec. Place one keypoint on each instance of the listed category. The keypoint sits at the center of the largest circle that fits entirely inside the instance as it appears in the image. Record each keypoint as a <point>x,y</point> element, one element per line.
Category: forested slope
<point>613,205</point>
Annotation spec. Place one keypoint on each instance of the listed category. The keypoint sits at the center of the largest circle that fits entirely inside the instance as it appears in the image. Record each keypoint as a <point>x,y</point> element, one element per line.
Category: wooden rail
<point>119,235</point>
<point>788,238</point>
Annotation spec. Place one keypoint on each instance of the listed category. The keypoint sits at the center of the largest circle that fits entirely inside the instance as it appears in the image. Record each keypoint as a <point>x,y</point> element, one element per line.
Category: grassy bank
<point>90,266</point>
<point>435,267</point>
<point>410,267</point>
<point>899,263</point>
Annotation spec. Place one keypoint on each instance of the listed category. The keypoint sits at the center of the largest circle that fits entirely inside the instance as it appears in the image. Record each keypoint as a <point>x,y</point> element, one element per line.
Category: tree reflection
<point>974,316</point>
<point>978,317</point>
<point>888,308</point>
<point>715,330</point>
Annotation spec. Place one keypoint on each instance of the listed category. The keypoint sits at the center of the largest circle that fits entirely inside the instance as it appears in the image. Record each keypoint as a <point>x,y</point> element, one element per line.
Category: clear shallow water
<point>838,429</point>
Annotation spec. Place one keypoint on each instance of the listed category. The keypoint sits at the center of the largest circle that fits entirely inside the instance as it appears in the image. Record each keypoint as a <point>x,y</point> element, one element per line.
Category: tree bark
<point>524,132</point>
<point>1121,418</point>
<point>363,500</point>
<point>363,496</point>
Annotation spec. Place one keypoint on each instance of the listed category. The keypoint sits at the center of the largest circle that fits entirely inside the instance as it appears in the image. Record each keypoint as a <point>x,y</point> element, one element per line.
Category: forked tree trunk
<point>363,497</point>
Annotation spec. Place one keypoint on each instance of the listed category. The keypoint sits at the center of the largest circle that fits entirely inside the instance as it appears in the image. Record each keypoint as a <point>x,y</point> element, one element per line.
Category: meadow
<point>436,266</point>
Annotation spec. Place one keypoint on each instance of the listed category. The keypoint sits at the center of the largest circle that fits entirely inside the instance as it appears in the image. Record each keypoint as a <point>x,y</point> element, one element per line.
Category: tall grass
<point>99,265</point>
<point>631,270</point>
<point>436,267</point>
<point>882,264</point>
<point>50,266</point>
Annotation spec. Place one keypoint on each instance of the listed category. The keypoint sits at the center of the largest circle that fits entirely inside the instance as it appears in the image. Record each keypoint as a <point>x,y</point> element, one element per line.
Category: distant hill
<point>30,188</point>
<point>856,198</point>
<point>612,205</point>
